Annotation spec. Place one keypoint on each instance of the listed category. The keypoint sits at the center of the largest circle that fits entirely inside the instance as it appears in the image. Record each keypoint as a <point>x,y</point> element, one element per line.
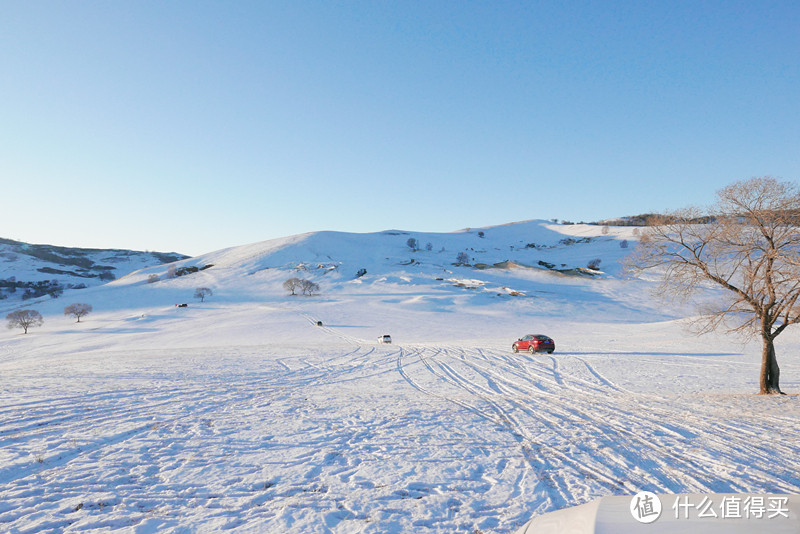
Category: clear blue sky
<point>193,126</point>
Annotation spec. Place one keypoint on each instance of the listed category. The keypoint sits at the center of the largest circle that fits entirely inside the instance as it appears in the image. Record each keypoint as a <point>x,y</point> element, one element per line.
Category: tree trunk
<point>770,372</point>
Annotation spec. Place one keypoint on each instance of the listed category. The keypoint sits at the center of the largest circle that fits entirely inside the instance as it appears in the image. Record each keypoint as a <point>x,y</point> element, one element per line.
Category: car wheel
<point>514,349</point>
<point>531,349</point>
<point>550,351</point>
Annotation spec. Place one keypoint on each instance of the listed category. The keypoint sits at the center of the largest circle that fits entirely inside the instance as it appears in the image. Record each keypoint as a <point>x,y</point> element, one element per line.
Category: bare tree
<point>308,287</point>
<point>462,258</point>
<point>202,292</point>
<point>24,319</point>
<point>78,310</point>
<point>750,247</point>
<point>292,284</point>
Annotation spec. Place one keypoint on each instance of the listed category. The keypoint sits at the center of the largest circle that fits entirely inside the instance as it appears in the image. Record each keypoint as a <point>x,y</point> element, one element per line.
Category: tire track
<point>512,388</point>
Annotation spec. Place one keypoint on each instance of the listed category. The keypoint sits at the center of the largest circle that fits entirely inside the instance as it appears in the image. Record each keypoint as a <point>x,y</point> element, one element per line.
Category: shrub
<point>594,264</point>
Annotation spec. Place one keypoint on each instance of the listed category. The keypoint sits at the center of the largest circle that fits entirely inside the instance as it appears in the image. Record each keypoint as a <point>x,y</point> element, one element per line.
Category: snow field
<point>241,414</point>
<point>373,439</point>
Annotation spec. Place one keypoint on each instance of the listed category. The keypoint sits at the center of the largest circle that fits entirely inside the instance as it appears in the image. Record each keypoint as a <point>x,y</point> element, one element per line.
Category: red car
<point>534,343</point>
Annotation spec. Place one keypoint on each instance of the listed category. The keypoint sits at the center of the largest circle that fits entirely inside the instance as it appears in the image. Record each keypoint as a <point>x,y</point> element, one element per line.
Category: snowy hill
<point>240,413</point>
<point>534,268</point>
<point>28,270</point>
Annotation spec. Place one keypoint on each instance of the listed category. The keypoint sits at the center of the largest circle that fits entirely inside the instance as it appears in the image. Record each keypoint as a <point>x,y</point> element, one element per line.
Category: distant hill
<point>33,270</point>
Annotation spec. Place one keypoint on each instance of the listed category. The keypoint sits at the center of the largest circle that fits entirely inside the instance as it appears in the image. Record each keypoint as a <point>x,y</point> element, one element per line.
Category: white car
<point>386,338</point>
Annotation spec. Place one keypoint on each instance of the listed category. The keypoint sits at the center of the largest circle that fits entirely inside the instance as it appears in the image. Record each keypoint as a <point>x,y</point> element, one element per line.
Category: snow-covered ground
<point>240,413</point>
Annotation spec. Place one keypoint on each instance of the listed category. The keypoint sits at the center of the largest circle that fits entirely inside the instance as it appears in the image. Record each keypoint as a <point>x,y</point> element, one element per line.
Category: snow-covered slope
<point>28,270</point>
<point>529,269</point>
<point>240,413</point>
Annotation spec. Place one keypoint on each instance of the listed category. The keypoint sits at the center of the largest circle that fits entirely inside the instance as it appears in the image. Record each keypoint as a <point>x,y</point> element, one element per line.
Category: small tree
<point>412,243</point>
<point>429,247</point>
<point>24,319</point>
<point>292,285</point>
<point>202,292</point>
<point>308,287</point>
<point>78,310</point>
<point>594,264</point>
<point>462,258</point>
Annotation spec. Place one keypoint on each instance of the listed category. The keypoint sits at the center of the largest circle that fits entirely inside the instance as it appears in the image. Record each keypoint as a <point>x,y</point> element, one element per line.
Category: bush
<point>594,264</point>
<point>360,273</point>
<point>180,271</point>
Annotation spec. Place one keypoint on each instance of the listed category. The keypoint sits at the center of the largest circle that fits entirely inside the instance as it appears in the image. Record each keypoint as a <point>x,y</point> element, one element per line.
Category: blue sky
<point>193,126</point>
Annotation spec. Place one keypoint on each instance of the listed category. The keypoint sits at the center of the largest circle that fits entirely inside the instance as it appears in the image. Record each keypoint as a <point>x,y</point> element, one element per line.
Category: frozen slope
<point>240,414</point>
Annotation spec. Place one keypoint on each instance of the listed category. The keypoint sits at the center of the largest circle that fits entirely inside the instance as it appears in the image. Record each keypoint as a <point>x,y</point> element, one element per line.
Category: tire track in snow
<point>709,467</point>
<point>605,406</point>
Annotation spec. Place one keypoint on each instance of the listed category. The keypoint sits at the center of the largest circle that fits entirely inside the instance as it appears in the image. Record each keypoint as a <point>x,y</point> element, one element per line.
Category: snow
<point>240,413</point>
